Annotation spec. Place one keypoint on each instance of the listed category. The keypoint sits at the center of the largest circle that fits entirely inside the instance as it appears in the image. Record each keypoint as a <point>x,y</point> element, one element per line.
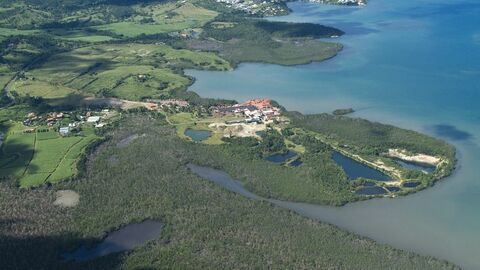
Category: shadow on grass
<point>45,252</point>
<point>15,156</point>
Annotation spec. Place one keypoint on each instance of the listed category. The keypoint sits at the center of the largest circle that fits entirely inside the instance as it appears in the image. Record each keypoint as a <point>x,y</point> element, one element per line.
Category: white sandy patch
<point>380,164</point>
<point>66,198</point>
<point>417,158</point>
<point>238,130</point>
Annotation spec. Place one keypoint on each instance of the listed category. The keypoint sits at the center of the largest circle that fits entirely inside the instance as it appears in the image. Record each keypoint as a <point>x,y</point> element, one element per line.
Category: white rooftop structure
<point>93,119</point>
<point>64,130</point>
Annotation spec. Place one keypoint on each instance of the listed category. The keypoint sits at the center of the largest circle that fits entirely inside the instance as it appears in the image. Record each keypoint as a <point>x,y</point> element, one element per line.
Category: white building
<point>93,119</point>
<point>64,131</point>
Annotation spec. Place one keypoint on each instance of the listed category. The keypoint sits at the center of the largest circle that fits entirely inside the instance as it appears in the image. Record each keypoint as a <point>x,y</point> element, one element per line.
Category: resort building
<point>93,119</point>
<point>64,131</point>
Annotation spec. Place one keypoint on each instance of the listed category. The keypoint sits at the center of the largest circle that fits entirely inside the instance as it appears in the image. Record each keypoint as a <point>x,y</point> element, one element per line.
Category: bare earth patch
<point>66,198</point>
<point>238,130</point>
<point>417,158</point>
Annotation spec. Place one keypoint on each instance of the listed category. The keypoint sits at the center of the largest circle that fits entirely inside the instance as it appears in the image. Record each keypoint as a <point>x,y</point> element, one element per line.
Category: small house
<point>93,119</point>
<point>64,131</point>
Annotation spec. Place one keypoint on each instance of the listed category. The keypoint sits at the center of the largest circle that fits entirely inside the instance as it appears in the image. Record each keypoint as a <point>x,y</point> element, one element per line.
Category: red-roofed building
<point>259,103</point>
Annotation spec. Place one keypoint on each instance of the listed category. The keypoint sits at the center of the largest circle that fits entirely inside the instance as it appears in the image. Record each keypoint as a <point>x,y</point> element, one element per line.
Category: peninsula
<point>97,128</point>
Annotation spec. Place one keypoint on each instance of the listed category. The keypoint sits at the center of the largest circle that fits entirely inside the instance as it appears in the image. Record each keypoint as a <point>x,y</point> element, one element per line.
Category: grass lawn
<point>133,29</point>
<point>92,38</point>
<point>5,32</point>
<point>42,89</point>
<point>183,121</point>
<point>5,78</point>
<point>295,147</point>
<point>181,118</point>
<point>36,158</point>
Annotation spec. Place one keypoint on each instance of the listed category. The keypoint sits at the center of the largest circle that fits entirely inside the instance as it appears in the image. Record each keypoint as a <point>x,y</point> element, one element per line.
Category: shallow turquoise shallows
<point>415,64</point>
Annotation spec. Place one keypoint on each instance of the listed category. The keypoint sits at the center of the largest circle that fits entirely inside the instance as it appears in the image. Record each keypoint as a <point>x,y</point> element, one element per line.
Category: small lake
<point>393,189</point>
<point>296,163</point>
<point>416,166</point>
<point>355,169</point>
<point>198,135</point>
<point>372,190</point>
<point>280,158</point>
<point>411,184</point>
<point>126,238</point>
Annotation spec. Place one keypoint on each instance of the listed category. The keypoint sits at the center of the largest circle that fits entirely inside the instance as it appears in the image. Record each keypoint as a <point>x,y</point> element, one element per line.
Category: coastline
<point>355,157</point>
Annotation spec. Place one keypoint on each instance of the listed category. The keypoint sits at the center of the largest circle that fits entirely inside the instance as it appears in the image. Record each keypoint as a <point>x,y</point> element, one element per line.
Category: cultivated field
<point>40,157</point>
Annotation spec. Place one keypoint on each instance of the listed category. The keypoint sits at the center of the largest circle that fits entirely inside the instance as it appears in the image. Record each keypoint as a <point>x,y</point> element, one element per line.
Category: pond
<point>372,190</point>
<point>280,158</point>
<point>126,238</point>
<point>296,163</point>
<point>411,184</point>
<point>198,135</point>
<point>393,189</point>
<point>369,184</point>
<point>416,166</point>
<point>355,169</point>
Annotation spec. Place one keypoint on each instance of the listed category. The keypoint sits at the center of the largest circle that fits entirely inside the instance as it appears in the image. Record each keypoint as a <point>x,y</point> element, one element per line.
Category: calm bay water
<point>415,64</point>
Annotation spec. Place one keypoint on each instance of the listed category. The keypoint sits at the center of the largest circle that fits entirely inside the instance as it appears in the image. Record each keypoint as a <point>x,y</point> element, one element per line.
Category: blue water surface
<point>411,63</point>
<point>355,169</point>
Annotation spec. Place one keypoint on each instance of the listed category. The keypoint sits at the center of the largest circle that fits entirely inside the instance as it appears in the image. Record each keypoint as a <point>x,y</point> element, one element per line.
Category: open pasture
<point>40,157</point>
<point>162,18</point>
<point>133,71</point>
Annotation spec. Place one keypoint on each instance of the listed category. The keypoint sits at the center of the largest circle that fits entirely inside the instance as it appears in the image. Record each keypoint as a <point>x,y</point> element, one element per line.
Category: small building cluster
<point>264,7</point>
<point>253,111</point>
<point>51,118</point>
<point>172,102</point>
<point>66,122</point>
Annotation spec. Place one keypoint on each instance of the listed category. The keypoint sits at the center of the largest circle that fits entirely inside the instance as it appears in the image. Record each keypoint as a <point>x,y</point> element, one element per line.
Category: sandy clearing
<point>417,158</point>
<point>238,130</point>
<point>67,198</point>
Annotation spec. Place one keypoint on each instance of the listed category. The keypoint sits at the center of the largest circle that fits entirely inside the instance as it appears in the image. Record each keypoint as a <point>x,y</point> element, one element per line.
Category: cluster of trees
<point>371,138</point>
<point>343,111</point>
<point>262,30</point>
<point>26,51</point>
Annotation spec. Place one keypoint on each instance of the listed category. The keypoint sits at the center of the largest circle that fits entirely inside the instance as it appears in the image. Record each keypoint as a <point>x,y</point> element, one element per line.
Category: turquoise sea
<point>415,64</point>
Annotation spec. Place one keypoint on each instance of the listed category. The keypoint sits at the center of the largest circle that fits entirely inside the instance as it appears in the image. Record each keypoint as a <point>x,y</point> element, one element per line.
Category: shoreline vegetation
<point>94,131</point>
<point>343,111</point>
<point>200,218</point>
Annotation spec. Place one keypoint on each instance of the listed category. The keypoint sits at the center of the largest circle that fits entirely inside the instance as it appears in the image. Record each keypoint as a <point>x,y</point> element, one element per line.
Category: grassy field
<point>5,32</point>
<point>184,121</point>
<point>132,71</point>
<point>5,78</point>
<point>41,89</point>
<point>87,38</point>
<point>164,18</point>
<point>40,157</point>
